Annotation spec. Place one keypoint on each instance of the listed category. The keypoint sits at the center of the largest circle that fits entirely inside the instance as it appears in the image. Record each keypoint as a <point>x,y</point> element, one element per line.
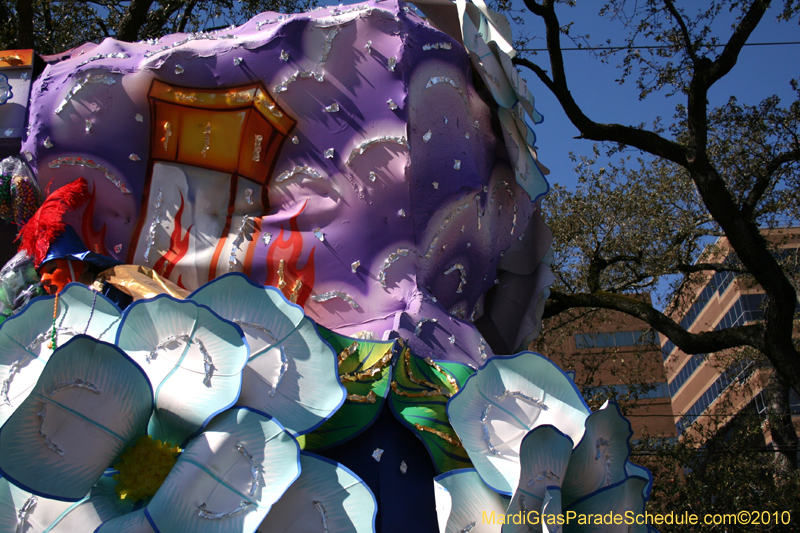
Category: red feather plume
<point>47,223</point>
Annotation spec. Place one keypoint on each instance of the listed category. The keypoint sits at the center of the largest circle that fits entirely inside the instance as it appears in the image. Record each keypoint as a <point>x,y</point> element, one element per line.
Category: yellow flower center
<point>144,467</point>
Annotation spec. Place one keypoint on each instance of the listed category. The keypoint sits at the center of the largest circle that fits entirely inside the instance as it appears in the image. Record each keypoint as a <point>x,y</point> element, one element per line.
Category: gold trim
<point>369,398</point>
<point>371,371</point>
<point>444,436</point>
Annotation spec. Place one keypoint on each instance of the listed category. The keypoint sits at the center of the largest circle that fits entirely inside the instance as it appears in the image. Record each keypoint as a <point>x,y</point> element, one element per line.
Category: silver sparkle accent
<point>354,266</point>
<point>321,509</point>
<point>391,103</point>
<point>257,147</point>
<point>28,155</point>
<point>487,437</point>
<point>478,206</point>
<point>308,171</point>
<point>89,125</point>
<point>88,163</point>
<point>179,69</point>
<point>35,343</point>
<point>86,79</point>
<point>24,513</point>
<point>601,446</point>
<point>120,55</point>
<point>468,527</point>
<point>452,339</point>
<point>372,176</point>
<point>171,339</point>
<point>281,372</point>
<point>437,46</point>
<point>204,512</point>
<point>462,272</point>
<point>543,476</point>
<point>445,222</point>
<point>377,454</point>
<point>139,117</point>
<point>208,364</point>
<point>333,108</point>
<point>238,61</point>
<point>519,395</point>
<point>435,185</point>
<point>319,235</point>
<point>13,370</point>
<point>48,143</point>
<point>456,164</point>
<point>134,157</point>
<point>389,261</point>
<point>326,48</point>
<point>280,18</point>
<point>392,63</point>
<point>330,295</point>
<point>329,153</point>
<point>361,148</point>
<point>78,383</point>
<point>368,47</point>
<point>259,327</point>
<point>401,213</point>
<point>206,140</point>
<point>49,443</point>
<point>295,140</point>
<point>238,240</point>
<point>504,184</point>
<point>248,196</point>
<point>403,467</point>
<point>482,349</point>
<point>466,135</point>
<point>266,238</point>
<point>254,467</point>
<point>284,55</point>
<point>427,136</point>
<point>422,321</point>
<point>476,125</point>
<point>9,132</point>
<point>448,81</point>
<point>151,236</point>
<point>317,75</point>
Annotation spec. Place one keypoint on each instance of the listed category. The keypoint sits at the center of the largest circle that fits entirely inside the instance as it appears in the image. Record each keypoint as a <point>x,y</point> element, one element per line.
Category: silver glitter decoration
<point>482,349</point>
<point>237,61</point>
<point>86,79</point>
<point>368,47</point>
<point>601,446</point>
<point>478,206</point>
<point>171,339</point>
<point>468,527</point>
<point>78,383</point>
<point>377,454</point>
<point>452,339</point>
<point>456,164</point>
<point>487,437</point>
<point>389,261</point>
<point>363,147</point>
<point>295,140</point>
<point>118,248</point>
<point>49,443</point>
<point>88,163</point>
<point>281,372</point>
<point>238,241</point>
<point>13,370</point>
<point>119,55</point>
<point>204,512</point>
<point>476,125</point>
<point>254,467</point>
<point>401,213</point>
<point>25,512</point>
<point>372,177</point>
<point>206,140</point>
<point>179,69</point>
<point>321,509</point>
<point>151,237</point>
<point>445,222</point>
<point>326,48</point>
<point>248,196</point>
<point>9,132</point>
<point>403,467</point>
<point>543,476</point>
<point>308,171</point>
<point>466,135</point>
<point>330,295</point>
<point>48,143</point>
<point>427,136</point>
<point>280,18</point>
<point>28,155</point>
<point>35,343</point>
<point>317,75</point>
<point>502,183</point>
<point>134,157</point>
<point>208,364</point>
<point>89,125</point>
<point>139,117</point>
<point>329,153</point>
<point>436,80</point>
<point>257,147</point>
<point>437,46</point>
<point>354,266</point>
<point>284,55</point>
<point>422,321</point>
<point>319,235</point>
<point>518,395</point>
<point>435,185</point>
<point>259,327</point>
<point>266,238</point>
<point>392,63</point>
<point>391,103</point>
<point>462,272</point>
<point>333,108</point>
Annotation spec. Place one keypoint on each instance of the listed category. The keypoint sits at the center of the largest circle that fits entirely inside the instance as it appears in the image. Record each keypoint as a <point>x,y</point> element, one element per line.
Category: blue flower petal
<point>465,503</point>
<point>135,522</point>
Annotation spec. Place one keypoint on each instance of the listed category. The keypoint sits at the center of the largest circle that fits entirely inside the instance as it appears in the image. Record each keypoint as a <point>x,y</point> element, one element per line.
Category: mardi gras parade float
<point>277,259</point>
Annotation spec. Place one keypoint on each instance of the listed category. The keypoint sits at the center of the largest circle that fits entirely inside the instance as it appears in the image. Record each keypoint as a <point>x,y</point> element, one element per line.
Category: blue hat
<point>69,245</point>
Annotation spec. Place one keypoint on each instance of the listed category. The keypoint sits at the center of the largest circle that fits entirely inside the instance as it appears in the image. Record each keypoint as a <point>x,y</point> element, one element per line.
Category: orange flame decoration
<point>178,246</point>
<point>94,240</point>
<point>292,273</point>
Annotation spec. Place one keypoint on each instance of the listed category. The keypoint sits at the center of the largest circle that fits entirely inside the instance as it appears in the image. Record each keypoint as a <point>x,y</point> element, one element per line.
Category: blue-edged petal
<point>135,522</point>
<point>640,471</point>
<point>25,337</point>
<point>465,503</point>
<point>228,477</point>
<point>502,402</point>
<point>623,498</point>
<point>193,357</point>
<point>90,402</point>
<point>544,457</point>
<point>326,497</point>
<point>600,458</point>
<point>292,372</point>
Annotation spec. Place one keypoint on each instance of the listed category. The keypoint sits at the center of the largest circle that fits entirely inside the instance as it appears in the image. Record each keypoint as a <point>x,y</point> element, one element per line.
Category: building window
<point>617,339</point>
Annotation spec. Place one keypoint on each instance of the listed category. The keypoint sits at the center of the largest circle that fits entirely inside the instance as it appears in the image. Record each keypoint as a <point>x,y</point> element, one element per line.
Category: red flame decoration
<point>291,271</point>
<point>94,240</point>
<point>178,246</point>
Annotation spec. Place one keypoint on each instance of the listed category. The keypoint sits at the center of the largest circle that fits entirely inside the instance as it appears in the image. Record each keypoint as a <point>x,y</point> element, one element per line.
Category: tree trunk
<point>25,24</point>
<point>784,436</point>
<point>133,20</point>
